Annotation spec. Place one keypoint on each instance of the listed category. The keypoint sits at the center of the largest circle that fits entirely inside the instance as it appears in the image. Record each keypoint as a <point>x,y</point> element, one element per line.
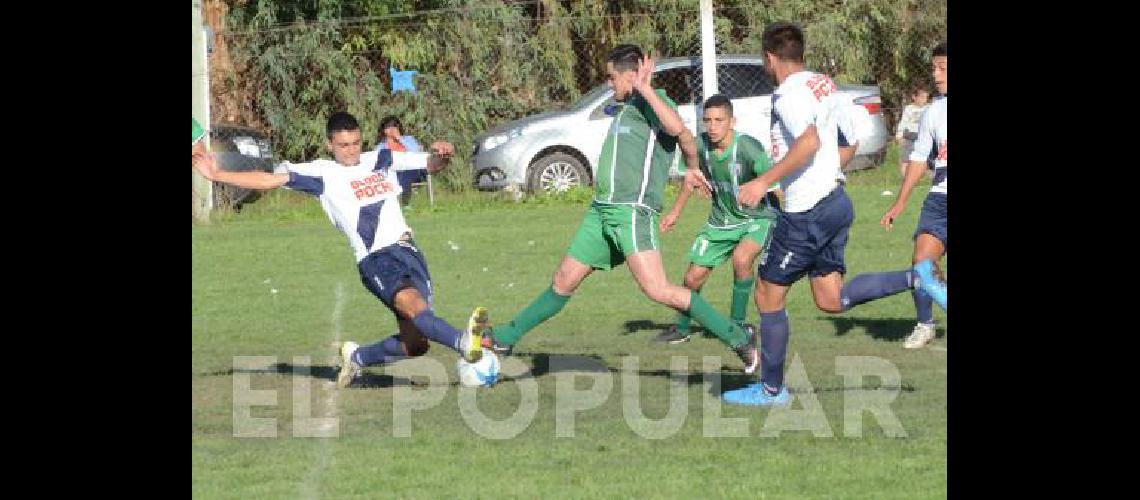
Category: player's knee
<point>563,283</point>
<point>417,349</point>
<point>409,303</point>
<point>561,288</point>
<point>766,299</point>
<point>919,254</point>
<point>927,247</point>
<point>411,310</point>
<point>694,281</point>
<point>742,266</point>
<point>830,305</point>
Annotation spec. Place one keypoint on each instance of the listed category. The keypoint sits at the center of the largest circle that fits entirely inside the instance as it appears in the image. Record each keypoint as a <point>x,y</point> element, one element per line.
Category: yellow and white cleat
<point>471,344</point>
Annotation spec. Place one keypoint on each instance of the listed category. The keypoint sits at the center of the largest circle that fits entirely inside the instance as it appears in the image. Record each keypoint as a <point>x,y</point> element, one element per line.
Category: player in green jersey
<point>621,223</point>
<point>728,159</point>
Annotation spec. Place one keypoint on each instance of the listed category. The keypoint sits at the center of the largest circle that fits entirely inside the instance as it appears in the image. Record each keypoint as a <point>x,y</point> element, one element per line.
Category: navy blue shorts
<point>932,220</point>
<point>809,242</point>
<point>394,268</point>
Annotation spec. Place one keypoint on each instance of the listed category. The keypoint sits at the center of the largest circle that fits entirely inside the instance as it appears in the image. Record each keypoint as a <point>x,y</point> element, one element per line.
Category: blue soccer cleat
<point>755,395</point>
<point>929,283</point>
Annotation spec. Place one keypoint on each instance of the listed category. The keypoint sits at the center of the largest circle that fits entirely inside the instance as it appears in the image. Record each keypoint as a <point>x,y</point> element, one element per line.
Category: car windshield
<point>591,96</point>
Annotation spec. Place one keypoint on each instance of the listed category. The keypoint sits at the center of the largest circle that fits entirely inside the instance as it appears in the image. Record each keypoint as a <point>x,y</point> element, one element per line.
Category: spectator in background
<point>392,137</point>
<point>907,130</point>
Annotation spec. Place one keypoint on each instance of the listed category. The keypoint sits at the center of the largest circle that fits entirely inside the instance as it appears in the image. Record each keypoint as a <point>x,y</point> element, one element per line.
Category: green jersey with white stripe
<point>743,160</point>
<point>636,156</point>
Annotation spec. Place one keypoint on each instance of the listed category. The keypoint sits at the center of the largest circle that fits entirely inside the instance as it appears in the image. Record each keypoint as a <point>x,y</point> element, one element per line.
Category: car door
<point>593,135</point>
<point>750,89</point>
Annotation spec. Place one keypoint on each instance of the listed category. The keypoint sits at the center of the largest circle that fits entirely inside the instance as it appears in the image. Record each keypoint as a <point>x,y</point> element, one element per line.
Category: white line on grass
<point>313,478</point>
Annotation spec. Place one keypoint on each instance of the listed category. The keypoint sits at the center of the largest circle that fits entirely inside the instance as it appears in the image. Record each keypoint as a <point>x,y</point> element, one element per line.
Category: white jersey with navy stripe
<point>931,142</point>
<point>361,200</point>
<point>807,98</point>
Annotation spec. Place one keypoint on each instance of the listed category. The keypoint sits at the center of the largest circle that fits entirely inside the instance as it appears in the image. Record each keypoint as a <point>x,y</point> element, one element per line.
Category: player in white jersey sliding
<point>930,236</point>
<point>811,230</point>
<point>359,194</point>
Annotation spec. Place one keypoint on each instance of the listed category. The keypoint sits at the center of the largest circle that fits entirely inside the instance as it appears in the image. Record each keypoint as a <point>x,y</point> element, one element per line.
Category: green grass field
<point>278,281</point>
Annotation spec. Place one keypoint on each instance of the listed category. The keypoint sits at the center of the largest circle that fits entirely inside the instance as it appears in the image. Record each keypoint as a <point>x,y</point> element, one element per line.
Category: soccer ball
<point>484,372</point>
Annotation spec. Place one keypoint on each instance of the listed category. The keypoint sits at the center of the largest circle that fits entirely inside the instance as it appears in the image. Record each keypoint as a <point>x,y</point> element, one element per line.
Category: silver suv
<point>559,149</point>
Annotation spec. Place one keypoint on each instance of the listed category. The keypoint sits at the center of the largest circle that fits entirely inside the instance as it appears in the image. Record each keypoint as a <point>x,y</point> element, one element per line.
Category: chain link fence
<point>483,65</point>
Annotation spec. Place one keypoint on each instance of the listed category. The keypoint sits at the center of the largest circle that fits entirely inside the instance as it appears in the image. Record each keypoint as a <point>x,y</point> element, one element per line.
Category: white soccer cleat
<point>348,368</point>
<point>920,336</point>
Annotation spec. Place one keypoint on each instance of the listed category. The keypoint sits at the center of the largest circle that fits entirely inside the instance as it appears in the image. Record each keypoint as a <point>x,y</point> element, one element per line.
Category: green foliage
<point>484,62</point>
<point>877,42</point>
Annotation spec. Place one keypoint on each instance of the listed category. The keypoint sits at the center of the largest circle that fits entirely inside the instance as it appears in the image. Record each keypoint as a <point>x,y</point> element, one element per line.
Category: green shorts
<point>610,233</point>
<point>713,245</point>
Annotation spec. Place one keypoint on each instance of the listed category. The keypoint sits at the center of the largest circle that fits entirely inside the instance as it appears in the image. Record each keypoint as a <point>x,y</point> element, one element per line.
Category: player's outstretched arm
<point>249,180</point>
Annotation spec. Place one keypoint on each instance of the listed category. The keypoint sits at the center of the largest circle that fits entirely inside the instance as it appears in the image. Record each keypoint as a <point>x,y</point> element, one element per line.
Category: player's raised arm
<point>670,121</point>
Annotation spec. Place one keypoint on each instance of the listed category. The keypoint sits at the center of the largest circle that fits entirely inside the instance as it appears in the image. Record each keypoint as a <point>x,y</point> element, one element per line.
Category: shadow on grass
<point>888,329</point>
<point>544,364</point>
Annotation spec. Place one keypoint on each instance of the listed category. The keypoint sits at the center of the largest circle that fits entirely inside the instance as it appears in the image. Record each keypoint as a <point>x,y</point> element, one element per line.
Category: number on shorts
<point>703,243</point>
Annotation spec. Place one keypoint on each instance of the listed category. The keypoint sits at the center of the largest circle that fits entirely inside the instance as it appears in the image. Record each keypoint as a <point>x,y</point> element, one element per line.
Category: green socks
<point>727,331</point>
<point>741,290</point>
<point>543,308</point>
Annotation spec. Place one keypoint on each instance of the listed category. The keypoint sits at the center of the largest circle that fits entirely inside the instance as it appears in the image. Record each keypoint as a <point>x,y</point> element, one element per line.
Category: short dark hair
<point>341,121</point>
<point>939,50</point>
<point>625,57</point>
<point>391,121</point>
<point>785,41</point>
<point>920,84</point>
<point>719,101</point>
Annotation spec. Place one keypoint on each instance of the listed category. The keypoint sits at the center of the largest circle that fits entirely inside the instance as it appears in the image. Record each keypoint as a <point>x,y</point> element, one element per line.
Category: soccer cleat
<point>929,283</point>
<point>920,336</point>
<point>756,395</point>
<point>490,342</point>
<point>673,335</point>
<point>753,335</point>
<point>748,352</point>
<point>471,343</point>
<point>349,370</point>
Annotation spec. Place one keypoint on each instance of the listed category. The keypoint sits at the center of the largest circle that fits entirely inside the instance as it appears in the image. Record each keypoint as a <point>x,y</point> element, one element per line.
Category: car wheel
<point>232,197</point>
<point>488,179</point>
<point>557,172</point>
